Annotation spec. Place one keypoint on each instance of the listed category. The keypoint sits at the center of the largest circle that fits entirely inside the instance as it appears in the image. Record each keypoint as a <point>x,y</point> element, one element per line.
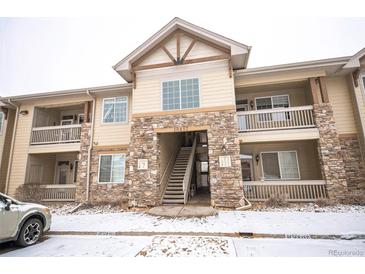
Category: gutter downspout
<point>90,146</point>
<point>10,164</point>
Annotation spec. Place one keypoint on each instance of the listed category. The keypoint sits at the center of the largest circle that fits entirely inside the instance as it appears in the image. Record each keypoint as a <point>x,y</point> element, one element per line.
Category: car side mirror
<point>8,204</point>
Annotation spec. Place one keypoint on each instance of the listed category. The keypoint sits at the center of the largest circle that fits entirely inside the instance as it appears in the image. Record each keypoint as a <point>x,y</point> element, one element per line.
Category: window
<point>242,105</point>
<point>278,101</point>
<point>281,165</point>
<point>180,94</point>
<point>1,121</point>
<point>115,110</point>
<point>111,168</point>
<point>76,167</point>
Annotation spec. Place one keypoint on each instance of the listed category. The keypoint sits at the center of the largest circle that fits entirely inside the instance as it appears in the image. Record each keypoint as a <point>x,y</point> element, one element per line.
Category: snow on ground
<point>298,248</point>
<point>101,246</point>
<point>225,221</point>
<point>65,208</point>
<point>186,246</point>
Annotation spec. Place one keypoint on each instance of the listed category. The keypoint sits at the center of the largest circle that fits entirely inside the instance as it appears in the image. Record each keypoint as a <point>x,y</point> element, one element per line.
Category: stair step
<point>174,192</point>
<point>179,201</point>
<point>169,196</point>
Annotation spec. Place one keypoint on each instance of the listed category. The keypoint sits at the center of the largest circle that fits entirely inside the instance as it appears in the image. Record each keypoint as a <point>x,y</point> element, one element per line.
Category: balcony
<point>56,135</point>
<point>273,119</point>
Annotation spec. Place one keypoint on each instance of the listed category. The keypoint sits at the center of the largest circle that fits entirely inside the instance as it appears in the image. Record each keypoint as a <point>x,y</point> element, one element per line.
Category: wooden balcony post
<point>313,89</point>
<point>323,89</point>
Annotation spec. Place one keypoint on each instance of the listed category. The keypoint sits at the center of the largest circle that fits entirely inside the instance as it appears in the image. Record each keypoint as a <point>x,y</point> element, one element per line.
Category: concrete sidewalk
<point>290,224</point>
<point>183,211</point>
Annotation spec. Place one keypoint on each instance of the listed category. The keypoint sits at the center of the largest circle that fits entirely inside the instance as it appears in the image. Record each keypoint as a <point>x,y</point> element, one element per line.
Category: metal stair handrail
<point>189,172</point>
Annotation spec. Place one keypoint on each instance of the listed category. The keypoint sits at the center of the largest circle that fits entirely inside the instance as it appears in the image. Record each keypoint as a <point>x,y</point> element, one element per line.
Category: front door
<point>247,170</point>
<point>62,173</point>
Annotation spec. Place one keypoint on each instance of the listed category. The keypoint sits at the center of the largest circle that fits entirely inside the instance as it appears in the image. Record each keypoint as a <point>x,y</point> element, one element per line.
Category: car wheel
<point>30,233</point>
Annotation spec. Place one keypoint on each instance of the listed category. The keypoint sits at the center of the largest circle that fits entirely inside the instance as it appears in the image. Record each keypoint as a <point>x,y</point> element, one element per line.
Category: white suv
<point>22,222</point>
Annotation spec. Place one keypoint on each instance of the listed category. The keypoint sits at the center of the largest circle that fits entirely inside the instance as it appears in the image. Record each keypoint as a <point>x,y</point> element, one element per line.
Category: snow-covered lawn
<point>188,247</point>
<point>225,221</point>
<point>185,246</point>
<point>60,246</point>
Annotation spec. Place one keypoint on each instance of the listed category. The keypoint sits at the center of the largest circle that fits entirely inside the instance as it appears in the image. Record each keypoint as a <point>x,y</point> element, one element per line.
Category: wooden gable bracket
<point>169,55</point>
<point>355,77</point>
<point>192,43</point>
<point>230,68</point>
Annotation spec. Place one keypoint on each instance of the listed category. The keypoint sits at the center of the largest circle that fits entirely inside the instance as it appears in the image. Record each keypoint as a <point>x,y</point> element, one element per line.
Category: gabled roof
<point>239,51</point>
<point>354,61</point>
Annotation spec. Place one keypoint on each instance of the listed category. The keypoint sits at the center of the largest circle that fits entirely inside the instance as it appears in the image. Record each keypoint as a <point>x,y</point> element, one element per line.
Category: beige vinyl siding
<point>5,144</point>
<point>340,98</point>
<point>23,132</point>
<point>216,88</point>
<point>276,77</point>
<point>297,96</point>
<point>111,134</point>
<point>306,153</point>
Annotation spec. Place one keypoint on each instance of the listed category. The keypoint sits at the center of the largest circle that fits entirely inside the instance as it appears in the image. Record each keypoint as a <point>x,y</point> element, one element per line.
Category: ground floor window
<point>280,165</point>
<point>111,168</point>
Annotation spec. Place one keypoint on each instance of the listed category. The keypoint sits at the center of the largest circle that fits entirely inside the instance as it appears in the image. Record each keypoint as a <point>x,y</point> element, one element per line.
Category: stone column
<point>354,165</point>
<point>329,151</point>
<point>83,162</point>
<point>226,183</point>
<point>144,144</point>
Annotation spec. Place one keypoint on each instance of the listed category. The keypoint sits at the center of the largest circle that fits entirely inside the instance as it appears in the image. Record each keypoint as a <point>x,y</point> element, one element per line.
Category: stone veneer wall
<point>83,162</point>
<point>354,165</point>
<point>226,183</point>
<point>329,151</point>
<point>112,193</point>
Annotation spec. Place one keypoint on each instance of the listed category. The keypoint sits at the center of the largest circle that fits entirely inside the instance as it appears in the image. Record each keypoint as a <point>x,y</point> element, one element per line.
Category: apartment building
<point>192,124</point>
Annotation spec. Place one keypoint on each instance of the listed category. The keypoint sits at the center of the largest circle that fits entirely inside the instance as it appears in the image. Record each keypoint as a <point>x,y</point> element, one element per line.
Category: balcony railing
<point>56,135</point>
<point>292,191</point>
<point>283,118</point>
<point>61,193</point>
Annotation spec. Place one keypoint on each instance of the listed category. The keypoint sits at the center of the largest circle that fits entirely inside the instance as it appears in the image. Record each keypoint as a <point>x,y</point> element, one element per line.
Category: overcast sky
<point>46,54</point>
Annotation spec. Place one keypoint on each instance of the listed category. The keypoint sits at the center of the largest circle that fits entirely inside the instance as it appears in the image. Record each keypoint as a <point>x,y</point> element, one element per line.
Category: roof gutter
<point>90,146</point>
<point>10,164</point>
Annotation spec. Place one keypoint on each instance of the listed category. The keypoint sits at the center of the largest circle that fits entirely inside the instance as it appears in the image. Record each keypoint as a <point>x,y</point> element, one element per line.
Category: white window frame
<point>179,79</point>
<point>115,123</point>
<point>74,173</point>
<point>261,97</point>
<point>2,122</point>
<point>67,120</point>
<point>111,176</point>
<point>277,152</point>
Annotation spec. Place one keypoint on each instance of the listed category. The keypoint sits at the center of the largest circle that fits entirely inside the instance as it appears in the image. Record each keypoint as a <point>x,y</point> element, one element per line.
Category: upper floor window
<point>278,101</point>
<point>180,94</point>
<point>1,121</point>
<point>115,110</point>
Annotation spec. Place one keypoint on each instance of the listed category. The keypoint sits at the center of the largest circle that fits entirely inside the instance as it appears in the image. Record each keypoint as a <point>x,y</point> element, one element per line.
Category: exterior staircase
<point>174,193</point>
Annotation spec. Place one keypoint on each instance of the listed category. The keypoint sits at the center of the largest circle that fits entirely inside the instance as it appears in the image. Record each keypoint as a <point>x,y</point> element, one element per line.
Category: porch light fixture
<point>24,112</point>
<point>257,158</point>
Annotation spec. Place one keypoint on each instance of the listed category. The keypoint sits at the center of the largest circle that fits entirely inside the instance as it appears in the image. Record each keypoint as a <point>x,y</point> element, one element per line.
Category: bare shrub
<point>324,202</point>
<point>277,200</point>
<point>29,193</point>
<point>353,199</point>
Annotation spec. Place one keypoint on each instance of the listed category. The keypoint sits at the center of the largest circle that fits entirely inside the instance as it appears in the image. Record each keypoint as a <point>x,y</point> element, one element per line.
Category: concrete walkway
<point>183,211</point>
